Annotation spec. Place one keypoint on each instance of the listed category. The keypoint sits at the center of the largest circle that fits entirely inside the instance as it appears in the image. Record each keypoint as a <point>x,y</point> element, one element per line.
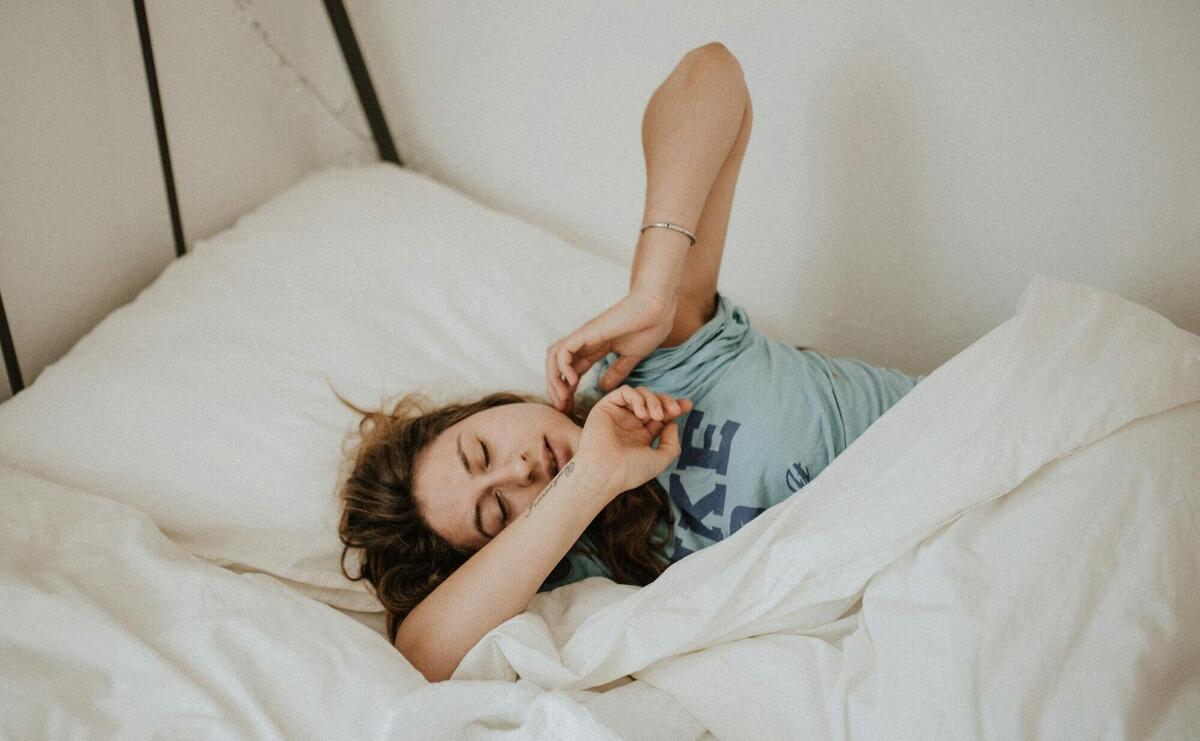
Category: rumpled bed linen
<point>1010,552</point>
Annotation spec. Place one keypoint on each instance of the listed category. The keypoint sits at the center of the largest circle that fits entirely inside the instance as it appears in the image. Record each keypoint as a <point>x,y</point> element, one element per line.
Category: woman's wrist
<point>593,476</point>
<point>658,265</point>
<point>657,302</point>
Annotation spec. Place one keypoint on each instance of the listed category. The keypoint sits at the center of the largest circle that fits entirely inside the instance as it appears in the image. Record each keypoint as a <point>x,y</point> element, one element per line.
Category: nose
<point>521,470</point>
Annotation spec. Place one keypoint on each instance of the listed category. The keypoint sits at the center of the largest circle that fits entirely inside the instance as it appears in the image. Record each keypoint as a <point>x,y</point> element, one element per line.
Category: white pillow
<point>204,401</point>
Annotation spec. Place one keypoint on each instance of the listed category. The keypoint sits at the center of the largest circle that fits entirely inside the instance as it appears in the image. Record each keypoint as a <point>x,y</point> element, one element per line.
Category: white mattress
<point>1010,552</point>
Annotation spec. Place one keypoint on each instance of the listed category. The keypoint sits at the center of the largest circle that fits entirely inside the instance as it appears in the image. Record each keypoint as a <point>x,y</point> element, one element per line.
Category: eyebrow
<point>467,467</point>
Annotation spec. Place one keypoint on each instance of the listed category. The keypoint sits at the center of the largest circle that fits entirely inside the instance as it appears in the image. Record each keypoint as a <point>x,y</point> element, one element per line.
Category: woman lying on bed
<point>464,513</point>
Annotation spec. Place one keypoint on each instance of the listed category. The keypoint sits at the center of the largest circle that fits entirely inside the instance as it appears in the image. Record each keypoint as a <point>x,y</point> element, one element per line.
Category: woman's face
<point>490,464</point>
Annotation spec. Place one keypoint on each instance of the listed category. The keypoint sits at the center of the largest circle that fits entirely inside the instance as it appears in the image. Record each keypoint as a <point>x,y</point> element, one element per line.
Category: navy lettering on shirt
<point>679,551</point>
<point>706,457</point>
<point>741,515</point>
<point>796,477</point>
<point>691,514</point>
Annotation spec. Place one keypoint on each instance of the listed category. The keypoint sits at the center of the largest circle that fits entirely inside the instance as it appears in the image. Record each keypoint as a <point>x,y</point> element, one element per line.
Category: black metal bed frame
<point>352,55</point>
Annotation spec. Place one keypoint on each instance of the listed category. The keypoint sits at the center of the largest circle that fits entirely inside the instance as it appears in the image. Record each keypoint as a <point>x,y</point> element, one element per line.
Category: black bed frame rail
<point>340,22</point>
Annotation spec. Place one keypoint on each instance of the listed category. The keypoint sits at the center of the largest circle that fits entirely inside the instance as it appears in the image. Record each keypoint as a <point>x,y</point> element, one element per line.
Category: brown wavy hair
<point>404,559</point>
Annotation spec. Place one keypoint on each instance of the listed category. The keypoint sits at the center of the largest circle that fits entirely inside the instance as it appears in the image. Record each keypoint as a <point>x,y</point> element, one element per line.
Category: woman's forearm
<point>690,126</point>
<point>499,580</point>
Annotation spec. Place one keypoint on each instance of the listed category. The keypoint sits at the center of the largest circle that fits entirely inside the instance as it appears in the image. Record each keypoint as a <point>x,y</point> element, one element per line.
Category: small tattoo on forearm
<point>567,469</point>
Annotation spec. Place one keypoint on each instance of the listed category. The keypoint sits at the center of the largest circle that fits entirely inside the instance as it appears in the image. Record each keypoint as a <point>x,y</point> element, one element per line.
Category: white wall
<point>912,163</point>
<point>84,223</point>
<point>82,209</point>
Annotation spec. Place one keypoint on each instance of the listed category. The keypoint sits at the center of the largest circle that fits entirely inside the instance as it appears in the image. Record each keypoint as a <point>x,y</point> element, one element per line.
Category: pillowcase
<point>206,401</point>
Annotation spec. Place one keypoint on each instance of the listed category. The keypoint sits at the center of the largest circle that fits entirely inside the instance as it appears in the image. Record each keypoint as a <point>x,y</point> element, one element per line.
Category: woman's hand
<point>615,444</point>
<point>633,327</point>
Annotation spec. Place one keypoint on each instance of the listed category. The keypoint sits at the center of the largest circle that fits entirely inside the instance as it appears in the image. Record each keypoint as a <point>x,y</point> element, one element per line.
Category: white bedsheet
<point>1010,552</point>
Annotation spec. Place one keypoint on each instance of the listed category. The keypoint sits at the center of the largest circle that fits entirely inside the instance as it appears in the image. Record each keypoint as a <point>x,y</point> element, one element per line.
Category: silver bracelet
<point>676,227</point>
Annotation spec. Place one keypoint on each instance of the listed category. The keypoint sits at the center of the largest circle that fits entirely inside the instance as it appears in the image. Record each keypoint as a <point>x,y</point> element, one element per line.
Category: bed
<point>1011,551</point>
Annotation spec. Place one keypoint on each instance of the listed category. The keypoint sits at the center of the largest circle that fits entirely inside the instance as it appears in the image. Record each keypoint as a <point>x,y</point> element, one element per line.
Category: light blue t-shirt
<point>766,419</point>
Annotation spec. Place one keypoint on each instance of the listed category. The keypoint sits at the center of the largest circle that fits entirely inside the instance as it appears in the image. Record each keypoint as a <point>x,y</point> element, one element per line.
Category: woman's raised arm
<point>694,134</point>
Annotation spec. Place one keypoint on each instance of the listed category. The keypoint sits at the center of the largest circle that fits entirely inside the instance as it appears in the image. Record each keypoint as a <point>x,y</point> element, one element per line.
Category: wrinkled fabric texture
<point>767,418</point>
<point>1010,551</point>
<point>112,631</point>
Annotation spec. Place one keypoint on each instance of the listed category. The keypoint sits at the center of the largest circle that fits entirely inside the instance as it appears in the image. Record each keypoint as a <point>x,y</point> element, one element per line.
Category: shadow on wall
<point>877,252</point>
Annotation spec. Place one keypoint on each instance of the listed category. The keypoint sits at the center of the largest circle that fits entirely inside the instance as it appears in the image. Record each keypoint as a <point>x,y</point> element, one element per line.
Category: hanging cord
<point>301,84</point>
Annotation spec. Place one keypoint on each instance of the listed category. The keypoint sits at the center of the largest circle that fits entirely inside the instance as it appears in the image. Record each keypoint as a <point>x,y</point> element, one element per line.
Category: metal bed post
<point>160,126</point>
<point>10,353</point>
<point>362,80</point>
<point>339,20</point>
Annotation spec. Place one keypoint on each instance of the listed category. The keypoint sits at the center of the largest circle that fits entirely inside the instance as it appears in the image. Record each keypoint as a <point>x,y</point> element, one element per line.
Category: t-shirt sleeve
<point>689,369</point>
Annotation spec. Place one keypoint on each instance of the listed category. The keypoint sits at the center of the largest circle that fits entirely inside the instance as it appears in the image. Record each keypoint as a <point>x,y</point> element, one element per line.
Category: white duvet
<point>1011,551</point>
